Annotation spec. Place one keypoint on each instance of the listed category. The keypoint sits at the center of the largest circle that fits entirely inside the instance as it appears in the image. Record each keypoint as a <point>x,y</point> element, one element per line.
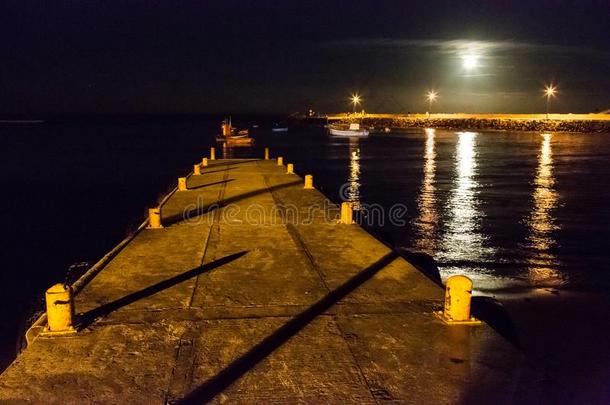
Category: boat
<point>279,128</point>
<point>231,136</point>
<point>351,130</point>
<point>238,141</point>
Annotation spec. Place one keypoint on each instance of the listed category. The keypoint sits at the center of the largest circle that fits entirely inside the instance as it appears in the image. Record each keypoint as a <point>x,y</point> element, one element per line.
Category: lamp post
<point>549,91</point>
<point>431,96</point>
<point>355,101</point>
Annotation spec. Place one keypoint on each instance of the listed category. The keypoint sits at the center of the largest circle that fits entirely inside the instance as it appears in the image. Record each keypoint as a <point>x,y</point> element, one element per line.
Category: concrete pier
<point>254,292</point>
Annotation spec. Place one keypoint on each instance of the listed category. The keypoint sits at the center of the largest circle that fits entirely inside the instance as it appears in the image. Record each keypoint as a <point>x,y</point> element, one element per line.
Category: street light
<point>431,96</point>
<point>356,100</point>
<point>549,91</point>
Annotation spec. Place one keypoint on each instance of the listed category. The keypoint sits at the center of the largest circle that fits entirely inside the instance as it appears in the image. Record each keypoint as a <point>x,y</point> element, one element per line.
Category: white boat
<point>352,130</point>
<point>279,127</point>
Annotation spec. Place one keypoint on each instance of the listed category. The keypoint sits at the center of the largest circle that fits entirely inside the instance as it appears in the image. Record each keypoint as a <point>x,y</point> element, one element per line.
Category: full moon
<point>469,61</point>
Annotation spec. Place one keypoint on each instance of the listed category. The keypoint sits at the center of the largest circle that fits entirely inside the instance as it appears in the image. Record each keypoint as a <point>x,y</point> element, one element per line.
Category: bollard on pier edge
<point>60,311</point>
<point>266,153</point>
<point>280,161</point>
<point>212,153</point>
<point>458,292</point>
<point>347,213</point>
<point>204,162</point>
<point>289,168</point>
<point>182,184</point>
<point>196,170</point>
<point>308,182</point>
<point>154,218</point>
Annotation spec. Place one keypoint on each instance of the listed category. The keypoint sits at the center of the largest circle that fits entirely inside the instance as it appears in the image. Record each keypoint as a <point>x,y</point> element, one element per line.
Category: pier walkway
<point>254,293</point>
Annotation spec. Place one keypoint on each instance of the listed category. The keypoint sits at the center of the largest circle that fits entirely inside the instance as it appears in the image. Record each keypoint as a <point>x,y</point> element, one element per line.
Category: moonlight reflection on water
<point>463,240</point>
<point>541,220</point>
<point>427,222</point>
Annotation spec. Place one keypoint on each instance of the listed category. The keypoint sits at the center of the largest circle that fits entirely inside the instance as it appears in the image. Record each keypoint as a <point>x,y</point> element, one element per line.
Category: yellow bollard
<point>290,168</point>
<point>458,292</point>
<point>280,161</point>
<point>266,153</point>
<point>204,162</point>
<point>154,218</point>
<point>308,181</point>
<point>182,184</point>
<point>60,310</point>
<point>346,213</point>
<point>212,153</point>
<point>196,170</point>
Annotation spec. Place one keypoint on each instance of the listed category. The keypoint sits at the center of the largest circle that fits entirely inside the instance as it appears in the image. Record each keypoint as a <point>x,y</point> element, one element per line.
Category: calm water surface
<point>517,212</point>
<point>511,210</point>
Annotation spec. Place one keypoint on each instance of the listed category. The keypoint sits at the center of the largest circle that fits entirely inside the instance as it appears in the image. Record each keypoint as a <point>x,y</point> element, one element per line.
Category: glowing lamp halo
<point>550,90</point>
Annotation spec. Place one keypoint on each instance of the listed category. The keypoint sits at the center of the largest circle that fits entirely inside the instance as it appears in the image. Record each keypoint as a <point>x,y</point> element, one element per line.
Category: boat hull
<point>361,133</point>
<point>231,141</point>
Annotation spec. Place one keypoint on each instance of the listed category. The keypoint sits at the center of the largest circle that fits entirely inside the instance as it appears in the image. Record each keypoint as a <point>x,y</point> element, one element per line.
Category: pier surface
<point>253,293</point>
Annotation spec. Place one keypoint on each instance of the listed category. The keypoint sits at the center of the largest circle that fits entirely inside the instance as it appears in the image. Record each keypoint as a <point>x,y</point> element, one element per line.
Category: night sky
<point>283,56</point>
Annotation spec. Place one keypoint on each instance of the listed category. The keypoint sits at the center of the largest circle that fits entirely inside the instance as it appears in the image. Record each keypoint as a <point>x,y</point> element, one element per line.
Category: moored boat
<point>279,127</point>
<point>351,130</point>
<point>231,136</point>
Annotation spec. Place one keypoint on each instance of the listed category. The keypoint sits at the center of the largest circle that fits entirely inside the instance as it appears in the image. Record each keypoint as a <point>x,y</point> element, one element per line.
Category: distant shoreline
<point>22,121</point>
<point>507,122</point>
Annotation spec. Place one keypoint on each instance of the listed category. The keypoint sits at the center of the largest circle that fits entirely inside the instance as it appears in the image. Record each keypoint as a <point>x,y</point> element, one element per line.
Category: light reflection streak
<point>463,241</point>
<point>353,191</point>
<point>541,221</point>
<point>428,216</point>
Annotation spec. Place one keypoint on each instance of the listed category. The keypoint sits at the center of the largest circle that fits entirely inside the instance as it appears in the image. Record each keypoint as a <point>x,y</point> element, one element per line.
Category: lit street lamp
<point>549,91</point>
<point>431,96</point>
<point>356,100</point>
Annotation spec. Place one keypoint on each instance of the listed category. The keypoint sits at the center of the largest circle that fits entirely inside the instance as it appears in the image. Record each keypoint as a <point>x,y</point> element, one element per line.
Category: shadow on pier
<point>206,209</point>
<point>205,171</point>
<point>231,164</point>
<point>268,345</point>
<point>210,184</point>
<point>88,318</point>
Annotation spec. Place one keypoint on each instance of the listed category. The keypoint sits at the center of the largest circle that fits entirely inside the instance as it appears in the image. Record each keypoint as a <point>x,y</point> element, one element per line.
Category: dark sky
<point>87,56</point>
